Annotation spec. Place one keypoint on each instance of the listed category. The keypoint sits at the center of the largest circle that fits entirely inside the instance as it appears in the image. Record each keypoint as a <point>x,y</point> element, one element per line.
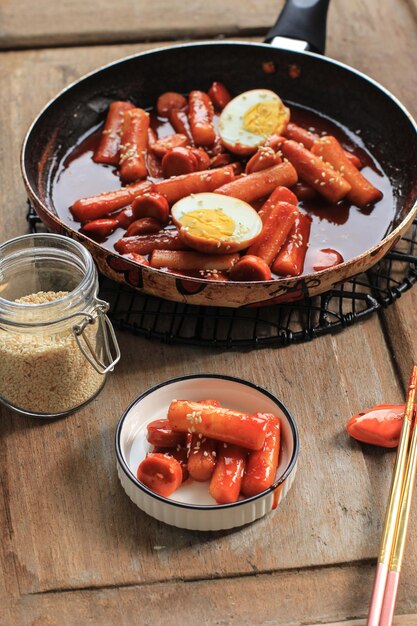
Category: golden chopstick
<point>393,578</point>
<point>393,508</point>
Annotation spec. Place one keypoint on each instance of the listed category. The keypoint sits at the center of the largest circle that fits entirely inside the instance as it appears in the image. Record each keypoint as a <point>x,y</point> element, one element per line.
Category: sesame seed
<point>46,373</point>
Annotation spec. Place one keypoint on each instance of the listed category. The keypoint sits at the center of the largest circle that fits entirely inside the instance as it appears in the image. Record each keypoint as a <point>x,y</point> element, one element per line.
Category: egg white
<point>231,124</point>
<point>248,224</point>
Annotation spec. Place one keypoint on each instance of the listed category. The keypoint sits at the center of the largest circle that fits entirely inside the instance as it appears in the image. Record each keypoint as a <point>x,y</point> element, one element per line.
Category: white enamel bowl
<point>191,506</point>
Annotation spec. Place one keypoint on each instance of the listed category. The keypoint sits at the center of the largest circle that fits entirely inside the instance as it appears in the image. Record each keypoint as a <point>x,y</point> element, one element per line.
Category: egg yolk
<point>263,118</point>
<point>208,224</point>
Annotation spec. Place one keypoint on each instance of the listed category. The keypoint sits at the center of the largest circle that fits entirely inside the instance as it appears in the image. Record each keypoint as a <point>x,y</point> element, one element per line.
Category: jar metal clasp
<point>111,346</point>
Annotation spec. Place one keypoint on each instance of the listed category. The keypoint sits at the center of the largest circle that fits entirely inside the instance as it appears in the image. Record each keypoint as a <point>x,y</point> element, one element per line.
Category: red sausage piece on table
<point>379,426</point>
<point>161,473</point>
<point>200,114</point>
<point>291,257</point>
<point>227,476</point>
<point>108,148</point>
<point>219,423</point>
<point>261,465</point>
<point>133,145</point>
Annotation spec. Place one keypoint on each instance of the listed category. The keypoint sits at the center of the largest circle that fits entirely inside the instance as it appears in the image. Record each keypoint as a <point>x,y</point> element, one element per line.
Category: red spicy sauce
<point>343,227</point>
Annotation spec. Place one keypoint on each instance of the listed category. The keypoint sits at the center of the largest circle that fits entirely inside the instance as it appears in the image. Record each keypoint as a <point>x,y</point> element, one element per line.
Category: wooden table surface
<point>74,549</point>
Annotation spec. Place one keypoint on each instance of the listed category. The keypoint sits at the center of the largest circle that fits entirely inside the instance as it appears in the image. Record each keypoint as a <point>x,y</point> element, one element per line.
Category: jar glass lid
<point>44,263</point>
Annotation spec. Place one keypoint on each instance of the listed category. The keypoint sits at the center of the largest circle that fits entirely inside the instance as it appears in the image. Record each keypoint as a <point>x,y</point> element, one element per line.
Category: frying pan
<point>323,84</point>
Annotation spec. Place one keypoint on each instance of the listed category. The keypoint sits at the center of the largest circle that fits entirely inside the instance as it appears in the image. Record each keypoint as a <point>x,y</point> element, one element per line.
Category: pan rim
<point>232,43</point>
<point>411,214</point>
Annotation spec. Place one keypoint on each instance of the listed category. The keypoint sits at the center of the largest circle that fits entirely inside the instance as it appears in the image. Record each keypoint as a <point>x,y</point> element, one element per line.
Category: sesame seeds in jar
<point>56,343</point>
<point>46,373</point>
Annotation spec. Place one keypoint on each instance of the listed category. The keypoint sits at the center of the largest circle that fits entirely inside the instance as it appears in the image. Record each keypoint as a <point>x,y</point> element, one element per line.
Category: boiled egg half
<point>216,224</point>
<point>247,120</point>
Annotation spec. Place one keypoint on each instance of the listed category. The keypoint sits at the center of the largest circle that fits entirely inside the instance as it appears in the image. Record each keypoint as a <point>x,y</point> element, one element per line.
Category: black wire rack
<point>278,325</point>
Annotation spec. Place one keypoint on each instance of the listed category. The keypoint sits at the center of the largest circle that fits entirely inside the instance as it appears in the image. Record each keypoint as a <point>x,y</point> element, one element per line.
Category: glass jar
<point>56,342</point>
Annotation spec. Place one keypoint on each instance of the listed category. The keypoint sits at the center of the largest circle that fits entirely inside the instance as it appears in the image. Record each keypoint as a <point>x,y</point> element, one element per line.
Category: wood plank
<point>334,517</point>
<point>413,5</point>
<point>49,23</point>
<point>83,457</point>
<point>53,69</point>
<point>114,541</point>
<point>9,586</point>
<point>287,599</point>
<point>357,35</point>
<point>348,42</point>
<point>400,321</point>
<point>356,32</point>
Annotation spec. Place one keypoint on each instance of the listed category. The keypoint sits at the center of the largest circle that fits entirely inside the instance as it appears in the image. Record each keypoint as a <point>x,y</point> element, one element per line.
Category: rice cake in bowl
<point>191,506</point>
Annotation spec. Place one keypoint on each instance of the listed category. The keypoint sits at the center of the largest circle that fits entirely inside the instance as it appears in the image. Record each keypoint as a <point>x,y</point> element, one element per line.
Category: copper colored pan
<point>324,85</point>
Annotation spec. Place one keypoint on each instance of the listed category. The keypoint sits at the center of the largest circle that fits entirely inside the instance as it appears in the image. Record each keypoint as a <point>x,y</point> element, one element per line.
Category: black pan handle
<point>303,21</point>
